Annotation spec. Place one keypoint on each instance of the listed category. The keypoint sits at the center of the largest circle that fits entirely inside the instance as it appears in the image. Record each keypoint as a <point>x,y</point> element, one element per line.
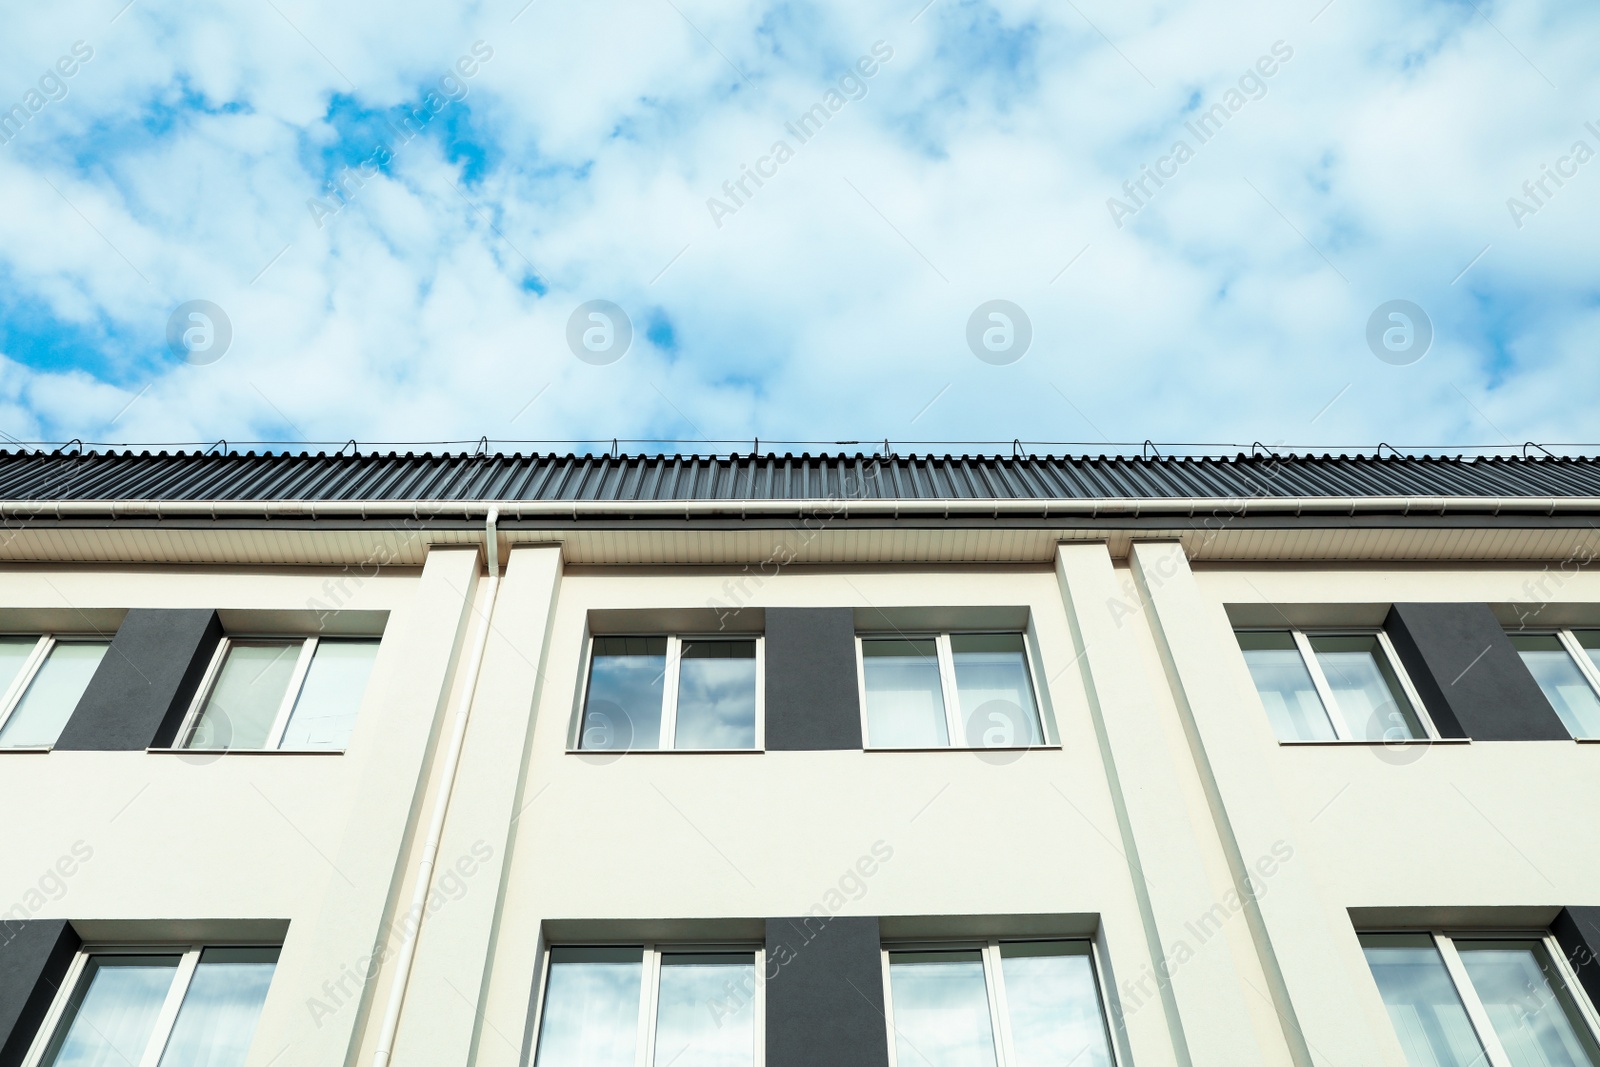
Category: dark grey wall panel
<point>1578,931</point>
<point>145,683</point>
<point>812,702</point>
<point>825,993</point>
<point>34,956</point>
<point>1472,680</point>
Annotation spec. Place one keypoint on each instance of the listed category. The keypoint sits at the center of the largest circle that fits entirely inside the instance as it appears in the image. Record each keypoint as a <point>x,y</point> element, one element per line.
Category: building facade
<point>881,761</point>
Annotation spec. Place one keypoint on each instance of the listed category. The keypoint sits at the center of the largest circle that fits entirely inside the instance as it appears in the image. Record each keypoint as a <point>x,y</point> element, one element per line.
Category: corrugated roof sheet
<point>443,476</point>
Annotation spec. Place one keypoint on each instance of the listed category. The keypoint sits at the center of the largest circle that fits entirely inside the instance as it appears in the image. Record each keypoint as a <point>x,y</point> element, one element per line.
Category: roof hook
<point>1378,453</point>
<point>1016,448</point>
<point>1541,448</point>
<point>75,441</point>
<point>1257,444</point>
<point>1151,445</point>
<point>221,442</point>
<point>755,449</point>
<point>351,445</point>
<point>615,451</point>
<point>483,446</point>
<point>886,452</point>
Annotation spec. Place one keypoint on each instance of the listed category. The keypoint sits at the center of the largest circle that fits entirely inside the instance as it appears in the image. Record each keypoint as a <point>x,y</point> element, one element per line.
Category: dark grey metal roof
<point>193,476</point>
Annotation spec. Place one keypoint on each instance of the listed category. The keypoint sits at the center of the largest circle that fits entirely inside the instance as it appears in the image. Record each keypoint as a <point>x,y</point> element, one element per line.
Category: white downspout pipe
<point>441,801</point>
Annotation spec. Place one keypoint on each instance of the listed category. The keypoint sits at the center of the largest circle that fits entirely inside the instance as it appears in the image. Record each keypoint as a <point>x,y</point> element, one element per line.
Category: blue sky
<point>400,214</point>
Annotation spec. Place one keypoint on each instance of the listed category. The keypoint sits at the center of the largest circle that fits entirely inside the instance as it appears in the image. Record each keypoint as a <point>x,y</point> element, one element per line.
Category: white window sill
<point>666,751</point>
<point>27,748</point>
<point>247,751</point>
<point>1397,743</point>
<point>968,748</point>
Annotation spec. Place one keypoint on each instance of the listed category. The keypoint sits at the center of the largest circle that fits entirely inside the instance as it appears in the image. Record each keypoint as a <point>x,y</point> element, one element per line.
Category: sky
<point>1304,223</point>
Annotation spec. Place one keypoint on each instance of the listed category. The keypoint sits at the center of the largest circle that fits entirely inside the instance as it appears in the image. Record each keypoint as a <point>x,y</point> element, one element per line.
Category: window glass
<point>1563,683</point>
<point>1528,1005</point>
<point>14,652</point>
<point>1293,705</point>
<point>705,1013</point>
<point>997,709</point>
<point>112,1013</point>
<point>220,1008</point>
<point>941,1009</point>
<point>53,693</point>
<point>1366,688</point>
<point>905,700</point>
<point>1054,1005</point>
<point>1427,1013</point>
<point>591,1008</point>
<point>716,695</point>
<point>244,701</point>
<point>325,712</point>
<point>622,708</point>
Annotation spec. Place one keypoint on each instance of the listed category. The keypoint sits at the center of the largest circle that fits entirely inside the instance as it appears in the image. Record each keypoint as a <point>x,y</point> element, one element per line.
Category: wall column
<point>1201,993</point>
<point>442,1022</point>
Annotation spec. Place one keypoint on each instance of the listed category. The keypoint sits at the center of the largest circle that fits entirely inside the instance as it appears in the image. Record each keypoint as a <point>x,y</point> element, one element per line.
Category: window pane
<point>1054,1005</point>
<point>905,701</point>
<point>591,1008</point>
<point>623,707</point>
<point>112,1012</point>
<point>1529,1006</point>
<point>244,702</point>
<point>14,652</point>
<point>325,712</point>
<point>716,695</point>
<point>1285,686</point>
<point>220,1008</point>
<point>997,708</point>
<point>53,693</point>
<point>1366,689</point>
<point>1423,1004</point>
<point>941,1010</point>
<point>1563,684</point>
<point>706,1015</point>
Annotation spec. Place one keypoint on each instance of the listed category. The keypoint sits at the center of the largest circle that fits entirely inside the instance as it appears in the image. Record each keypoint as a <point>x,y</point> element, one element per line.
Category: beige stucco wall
<point>1166,784</point>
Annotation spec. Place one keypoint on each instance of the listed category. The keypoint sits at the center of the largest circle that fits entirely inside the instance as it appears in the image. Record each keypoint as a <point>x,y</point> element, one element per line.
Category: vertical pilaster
<point>442,1021</point>
<point>1192,979</point>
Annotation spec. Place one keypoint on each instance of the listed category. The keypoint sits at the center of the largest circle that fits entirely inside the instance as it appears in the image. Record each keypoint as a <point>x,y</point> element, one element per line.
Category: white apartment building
<point>857,761</point>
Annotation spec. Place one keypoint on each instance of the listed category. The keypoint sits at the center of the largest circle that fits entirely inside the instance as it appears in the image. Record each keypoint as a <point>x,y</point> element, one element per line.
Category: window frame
<point>1302,636</point>
<point>669,692</point>
<point>994,989</point>
<point>948,691</point>
<point>1444,939</point>
<point>291,695</point>
<point>650,987</point>
<point>188,953</point>
<point>46,643</point>
<point>1568,637</point>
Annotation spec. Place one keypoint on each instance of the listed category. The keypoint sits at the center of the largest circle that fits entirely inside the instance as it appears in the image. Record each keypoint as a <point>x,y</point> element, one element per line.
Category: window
<point>649,693</point>
<point>1466,1000</point>
<point>618,1006</point>
<point>1566,664</point>
<point>1000,1004</point>
<point>43,677</point>
<point>1333,686</point>
<point>948,690</point>
<point>297,693</point>
<point>168,1007</point>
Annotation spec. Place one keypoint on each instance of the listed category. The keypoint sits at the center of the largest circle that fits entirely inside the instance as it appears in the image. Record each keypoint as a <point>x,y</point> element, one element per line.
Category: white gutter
<point>441,803</point>
<point>689,509</point>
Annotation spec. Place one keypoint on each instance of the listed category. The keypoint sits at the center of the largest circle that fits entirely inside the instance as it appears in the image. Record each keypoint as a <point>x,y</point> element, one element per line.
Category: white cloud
<point>833,303</point>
